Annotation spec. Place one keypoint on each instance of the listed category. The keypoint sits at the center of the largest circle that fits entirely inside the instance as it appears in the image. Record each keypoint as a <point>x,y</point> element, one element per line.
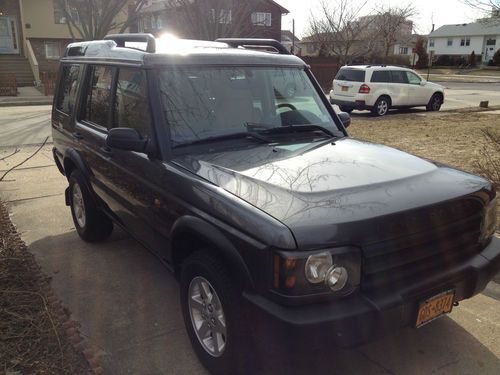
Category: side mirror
<point>345,118</point>
<point>423,82</point>
<point>127,139</point>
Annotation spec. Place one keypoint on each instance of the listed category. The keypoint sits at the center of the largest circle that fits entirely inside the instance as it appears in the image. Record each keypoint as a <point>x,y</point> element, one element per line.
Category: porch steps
<point>15,66</point>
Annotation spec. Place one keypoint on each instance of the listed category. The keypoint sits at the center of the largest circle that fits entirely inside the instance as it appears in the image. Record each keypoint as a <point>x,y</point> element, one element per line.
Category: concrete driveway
<point>127,302</point>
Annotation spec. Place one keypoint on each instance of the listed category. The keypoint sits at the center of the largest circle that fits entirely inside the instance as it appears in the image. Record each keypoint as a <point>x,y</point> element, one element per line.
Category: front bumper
<point>361,318</point>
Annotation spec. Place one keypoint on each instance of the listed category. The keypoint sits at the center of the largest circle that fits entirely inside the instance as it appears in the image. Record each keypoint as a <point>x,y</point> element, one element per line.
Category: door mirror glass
<point>345,118</point>
<point>127,139</point>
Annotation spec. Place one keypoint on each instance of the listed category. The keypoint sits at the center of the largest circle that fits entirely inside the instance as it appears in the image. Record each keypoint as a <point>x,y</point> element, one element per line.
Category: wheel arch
<point>190,234</point>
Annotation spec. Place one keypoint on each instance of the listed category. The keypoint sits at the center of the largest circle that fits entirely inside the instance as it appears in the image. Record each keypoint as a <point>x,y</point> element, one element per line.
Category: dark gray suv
<point>280,227</point>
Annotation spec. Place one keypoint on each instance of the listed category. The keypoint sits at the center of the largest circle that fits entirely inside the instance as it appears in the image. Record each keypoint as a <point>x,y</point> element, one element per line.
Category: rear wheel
<point>215,315</point>
<point>381,106</point>
<point>90,223</point>
<point>435,103</point>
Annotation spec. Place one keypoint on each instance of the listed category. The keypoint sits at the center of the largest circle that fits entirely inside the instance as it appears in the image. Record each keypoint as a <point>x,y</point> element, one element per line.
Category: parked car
<point>379,88</point>
<point>279,226</point>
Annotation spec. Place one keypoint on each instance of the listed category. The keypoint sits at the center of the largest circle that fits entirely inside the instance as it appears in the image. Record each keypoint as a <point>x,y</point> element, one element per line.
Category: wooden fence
<point>9,88</point>
<point>49,81</point>
<point>324,69</point>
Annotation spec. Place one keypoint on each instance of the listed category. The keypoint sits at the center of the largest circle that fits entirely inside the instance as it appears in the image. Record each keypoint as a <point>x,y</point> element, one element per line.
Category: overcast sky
<point>442,11</point>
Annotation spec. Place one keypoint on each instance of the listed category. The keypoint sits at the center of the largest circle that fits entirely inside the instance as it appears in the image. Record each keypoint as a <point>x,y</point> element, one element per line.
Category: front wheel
<point>381,106</point>
<point>435,103</point>
<point>214,315</point>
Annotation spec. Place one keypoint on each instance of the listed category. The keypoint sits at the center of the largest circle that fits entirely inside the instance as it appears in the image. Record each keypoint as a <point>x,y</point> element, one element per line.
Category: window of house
<point>465,41</point>
<point>98,102</point>
<point>68,88</point>
<point>403,50</point>
<point>261,19</point>
<point>52,50</point>
<point>131,105</point>
<point>224,16</point>
<point>431,42</point>
<point>60,14</point>
<point>450,42</point>
<point>491,42</point>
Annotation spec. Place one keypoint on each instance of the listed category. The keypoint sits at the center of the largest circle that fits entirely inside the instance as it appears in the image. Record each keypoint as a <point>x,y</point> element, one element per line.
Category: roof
<point>177,52</point>
<point>161,6</point>
<point>287,35</point>
<point>467,29</point>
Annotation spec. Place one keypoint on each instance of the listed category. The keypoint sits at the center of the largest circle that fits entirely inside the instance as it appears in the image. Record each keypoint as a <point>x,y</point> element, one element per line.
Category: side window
<point>399,76</point>
<point>132,107</point>
<point>413,79</point>
<point>68,88</point>
<point>99,95</point>
<point>381,76</point>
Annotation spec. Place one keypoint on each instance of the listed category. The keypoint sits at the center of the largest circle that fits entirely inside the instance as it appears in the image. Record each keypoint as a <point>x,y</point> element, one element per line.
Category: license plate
<point>435,307</point>
<point>345,88</point>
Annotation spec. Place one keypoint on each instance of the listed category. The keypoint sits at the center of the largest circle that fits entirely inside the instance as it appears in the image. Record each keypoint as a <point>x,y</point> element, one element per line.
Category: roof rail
<point>242,42</point>
<point>121,39</point>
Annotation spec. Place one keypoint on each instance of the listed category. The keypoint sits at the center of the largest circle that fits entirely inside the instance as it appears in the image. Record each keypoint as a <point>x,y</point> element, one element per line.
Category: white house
<point>460,40</point>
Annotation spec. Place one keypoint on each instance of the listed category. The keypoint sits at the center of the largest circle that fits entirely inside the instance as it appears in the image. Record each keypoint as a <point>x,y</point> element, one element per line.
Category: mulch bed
<point>37,335</point>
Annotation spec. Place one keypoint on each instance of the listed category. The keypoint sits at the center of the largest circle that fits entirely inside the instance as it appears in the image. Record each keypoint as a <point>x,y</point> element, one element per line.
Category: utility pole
<point>293,36</point>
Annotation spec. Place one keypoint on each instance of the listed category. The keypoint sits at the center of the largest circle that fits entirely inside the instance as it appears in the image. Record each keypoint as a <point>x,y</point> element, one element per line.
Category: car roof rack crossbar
<point>242,42</point>
<point>121,39</point>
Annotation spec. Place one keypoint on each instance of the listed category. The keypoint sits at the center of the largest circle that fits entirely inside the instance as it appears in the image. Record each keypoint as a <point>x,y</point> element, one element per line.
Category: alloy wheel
<point>78,205</point>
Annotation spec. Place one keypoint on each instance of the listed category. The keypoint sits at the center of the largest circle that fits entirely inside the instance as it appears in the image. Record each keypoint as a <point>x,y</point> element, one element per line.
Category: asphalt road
<point>127,302</point>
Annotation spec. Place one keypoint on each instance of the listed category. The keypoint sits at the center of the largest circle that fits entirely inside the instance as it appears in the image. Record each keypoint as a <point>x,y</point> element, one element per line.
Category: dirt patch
<point>34,328</point>
<point>455,139</point>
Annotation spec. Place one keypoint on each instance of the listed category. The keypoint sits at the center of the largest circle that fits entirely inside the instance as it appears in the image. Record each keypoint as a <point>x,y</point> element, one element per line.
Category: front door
<point>8,36</point>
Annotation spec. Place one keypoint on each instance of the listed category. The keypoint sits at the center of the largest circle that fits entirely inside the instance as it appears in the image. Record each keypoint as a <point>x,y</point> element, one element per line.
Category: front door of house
<point>8,36</point>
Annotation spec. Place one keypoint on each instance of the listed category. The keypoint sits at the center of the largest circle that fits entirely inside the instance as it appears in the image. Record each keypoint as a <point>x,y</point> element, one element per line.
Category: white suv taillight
<point>364,89</point>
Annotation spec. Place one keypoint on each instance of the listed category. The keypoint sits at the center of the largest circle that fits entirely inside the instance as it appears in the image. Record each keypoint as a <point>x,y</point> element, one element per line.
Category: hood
<point>315,189</point>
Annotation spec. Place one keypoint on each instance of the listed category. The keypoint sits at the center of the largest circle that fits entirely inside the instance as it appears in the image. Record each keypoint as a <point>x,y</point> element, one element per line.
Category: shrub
<point>496,58</point>
<point>489,163</point>
<point>472,59</point>
<point>423,57</point>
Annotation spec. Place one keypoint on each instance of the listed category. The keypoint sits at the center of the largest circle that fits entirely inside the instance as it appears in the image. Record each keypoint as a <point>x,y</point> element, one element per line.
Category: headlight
<point>336,278</point>
<point>489,222</point>
<point>317,266</point>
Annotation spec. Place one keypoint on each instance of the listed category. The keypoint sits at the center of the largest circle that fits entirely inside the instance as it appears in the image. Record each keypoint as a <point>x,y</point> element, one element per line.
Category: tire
<point>90,223</point>
<point>382,106</point>
<point>435,103</point>
<point>201,271</point>
<point>346,109</point>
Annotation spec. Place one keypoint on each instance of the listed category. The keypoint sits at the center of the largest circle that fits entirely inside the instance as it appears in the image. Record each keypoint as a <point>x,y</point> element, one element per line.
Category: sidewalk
<point>25,96</point>
<point>462,78</point>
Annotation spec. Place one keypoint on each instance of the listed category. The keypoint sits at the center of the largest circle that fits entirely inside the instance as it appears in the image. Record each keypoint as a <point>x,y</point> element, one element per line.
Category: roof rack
<point>121,39</point>
<point>242,42</point>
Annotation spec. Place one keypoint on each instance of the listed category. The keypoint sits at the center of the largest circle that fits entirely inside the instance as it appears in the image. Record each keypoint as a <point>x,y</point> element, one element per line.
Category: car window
<point>381,76</point>
<point>399,76</point>
<point>413,79</point>
<point>98,101</point>
<point>351,75</point>
<point>131,105</point>
<point>68,88</point>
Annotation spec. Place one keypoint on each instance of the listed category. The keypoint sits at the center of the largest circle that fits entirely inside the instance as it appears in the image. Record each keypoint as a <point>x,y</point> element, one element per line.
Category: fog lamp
<point>336,278</point>
<point>317,266</point>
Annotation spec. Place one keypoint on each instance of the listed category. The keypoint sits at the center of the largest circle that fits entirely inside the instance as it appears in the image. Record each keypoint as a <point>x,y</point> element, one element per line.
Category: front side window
<point>131,105</point>
<point>98,103</point>
<point>399,76</point>
<point>261,19</point>
<point>208,102</point>
<point>413,79</point>
<point>68,88</point>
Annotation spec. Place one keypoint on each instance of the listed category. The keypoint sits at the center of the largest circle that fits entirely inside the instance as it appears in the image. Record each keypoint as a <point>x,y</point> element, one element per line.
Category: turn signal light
<point>364,89</point>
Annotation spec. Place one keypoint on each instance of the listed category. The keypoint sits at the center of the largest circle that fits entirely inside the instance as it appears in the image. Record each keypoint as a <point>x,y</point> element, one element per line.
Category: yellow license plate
<point>345,88</point>
<point>434,307</point>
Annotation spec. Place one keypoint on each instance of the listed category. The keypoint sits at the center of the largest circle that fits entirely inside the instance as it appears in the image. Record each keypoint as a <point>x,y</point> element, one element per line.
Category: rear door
<point>347,82</point>
<point>66,98</point>
<point>398,87</point>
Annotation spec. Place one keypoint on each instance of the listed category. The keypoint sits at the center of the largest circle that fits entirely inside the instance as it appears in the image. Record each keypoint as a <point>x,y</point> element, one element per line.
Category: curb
<point>16,103</point>
<point>59,311</point>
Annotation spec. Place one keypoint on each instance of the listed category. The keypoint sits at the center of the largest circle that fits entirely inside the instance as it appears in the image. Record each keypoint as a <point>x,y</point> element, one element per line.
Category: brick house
<point>211,19</point>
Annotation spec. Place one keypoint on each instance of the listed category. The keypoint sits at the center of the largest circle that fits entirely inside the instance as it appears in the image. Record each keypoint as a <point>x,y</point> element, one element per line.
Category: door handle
<point>77,135</point>
<point>106,150</point>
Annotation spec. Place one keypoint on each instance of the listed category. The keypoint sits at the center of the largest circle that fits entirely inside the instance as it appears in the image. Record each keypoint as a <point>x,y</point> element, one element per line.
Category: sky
<point>443,12</point>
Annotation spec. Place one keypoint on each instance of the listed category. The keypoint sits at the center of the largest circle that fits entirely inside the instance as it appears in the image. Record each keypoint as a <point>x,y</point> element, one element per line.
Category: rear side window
<point>399,76</point>
<point>68,88</point>
<point>99,94</point>
<point>352,75</point>
<point>131,106</point>
<point>381,76</point>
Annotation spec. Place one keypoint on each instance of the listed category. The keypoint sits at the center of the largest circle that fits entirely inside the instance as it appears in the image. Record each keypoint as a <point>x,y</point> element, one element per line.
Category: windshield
<point>211,102</point>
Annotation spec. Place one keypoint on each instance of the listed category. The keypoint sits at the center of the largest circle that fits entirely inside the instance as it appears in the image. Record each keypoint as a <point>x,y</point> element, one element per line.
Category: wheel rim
<point>382,107</point>
<point>207,316</point>
<point>436,104</point>
<point>78,205</point>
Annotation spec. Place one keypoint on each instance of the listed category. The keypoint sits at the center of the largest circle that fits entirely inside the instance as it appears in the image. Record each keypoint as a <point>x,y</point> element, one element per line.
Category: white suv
<point>379,88</point>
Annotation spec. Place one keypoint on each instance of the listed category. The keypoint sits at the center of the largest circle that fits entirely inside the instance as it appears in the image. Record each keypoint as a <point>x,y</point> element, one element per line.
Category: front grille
<point>442,241</point>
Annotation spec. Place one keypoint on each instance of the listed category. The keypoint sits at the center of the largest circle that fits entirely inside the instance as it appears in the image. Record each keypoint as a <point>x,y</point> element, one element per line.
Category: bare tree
<point>393,25</point>
<point>93,19</point>
<point>490,8</point>
<point>340,31</point>
<point>212,19</point>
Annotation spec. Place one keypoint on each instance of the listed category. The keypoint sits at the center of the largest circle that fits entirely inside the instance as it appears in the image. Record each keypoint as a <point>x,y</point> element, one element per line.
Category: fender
<point>222,246</point>
<point>77,160</point>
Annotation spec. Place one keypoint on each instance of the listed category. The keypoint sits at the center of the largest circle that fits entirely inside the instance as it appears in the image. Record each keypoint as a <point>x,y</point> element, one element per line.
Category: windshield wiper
<point>247,134</point>
<point>264,129</point>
